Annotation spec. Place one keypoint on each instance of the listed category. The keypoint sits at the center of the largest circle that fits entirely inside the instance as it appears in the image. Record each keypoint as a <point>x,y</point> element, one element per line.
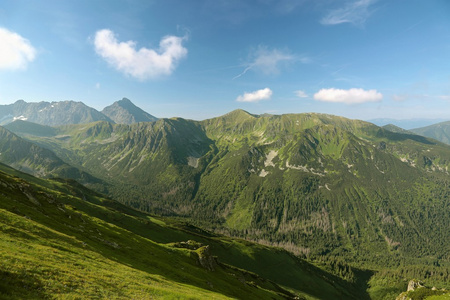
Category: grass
<point>38,260</point>
<point>60,240</point>
<point>49,249</point>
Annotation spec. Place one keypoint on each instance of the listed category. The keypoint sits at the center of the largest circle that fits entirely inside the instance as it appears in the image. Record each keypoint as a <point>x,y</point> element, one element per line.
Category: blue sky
<point>198,59</point>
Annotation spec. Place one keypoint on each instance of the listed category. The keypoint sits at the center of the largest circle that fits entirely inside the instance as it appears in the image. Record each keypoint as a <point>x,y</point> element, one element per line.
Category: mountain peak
<point>125,112</point>
<point>125,101</point>
<point>239,114</point>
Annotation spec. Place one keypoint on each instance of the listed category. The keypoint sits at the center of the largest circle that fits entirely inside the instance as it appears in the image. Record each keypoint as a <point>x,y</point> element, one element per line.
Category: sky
<point>198,59</point>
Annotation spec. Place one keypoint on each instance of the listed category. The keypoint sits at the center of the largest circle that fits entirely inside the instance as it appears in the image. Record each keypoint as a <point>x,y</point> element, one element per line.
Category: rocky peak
<point>125,112</point>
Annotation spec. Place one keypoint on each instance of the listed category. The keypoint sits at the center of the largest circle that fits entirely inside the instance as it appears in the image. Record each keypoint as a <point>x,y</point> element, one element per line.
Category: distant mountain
<point>405,123</point>
<point>393,128</point>
<point>125,112</point>
<point>440,131</point>
<point>51,114</point>
<point>71,112</point>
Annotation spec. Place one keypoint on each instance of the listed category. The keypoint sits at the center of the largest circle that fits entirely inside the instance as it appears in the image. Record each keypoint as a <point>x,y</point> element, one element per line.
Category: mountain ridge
<point>406,123</point>
<point>50,113</point>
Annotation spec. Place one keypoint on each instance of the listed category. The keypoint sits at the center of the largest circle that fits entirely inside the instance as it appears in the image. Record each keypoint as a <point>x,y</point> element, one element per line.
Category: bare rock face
<point>414,284</point>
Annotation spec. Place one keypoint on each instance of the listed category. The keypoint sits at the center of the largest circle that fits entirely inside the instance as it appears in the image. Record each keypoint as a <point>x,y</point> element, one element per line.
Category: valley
<point>354,209</point>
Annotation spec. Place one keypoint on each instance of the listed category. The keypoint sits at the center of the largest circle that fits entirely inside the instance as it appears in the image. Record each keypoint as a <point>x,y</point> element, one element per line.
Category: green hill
<point>25,127</point>
<point>440,131</point>
<point>34,159</point>
<point>60,240</point>
<point>393,128</point>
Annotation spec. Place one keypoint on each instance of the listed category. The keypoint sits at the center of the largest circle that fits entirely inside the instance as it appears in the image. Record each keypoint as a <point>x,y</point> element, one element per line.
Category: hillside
<point>393,128</point>
<point>326,188</point>
<point>439,131</point>
<point>33,159</point>
<point>60,240</point>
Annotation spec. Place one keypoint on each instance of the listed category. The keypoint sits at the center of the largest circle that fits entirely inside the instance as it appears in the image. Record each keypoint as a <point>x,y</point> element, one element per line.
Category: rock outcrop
<point>414,284</point>
<point>205,258</point>
<point>201,252</point>
<point>417,290</point>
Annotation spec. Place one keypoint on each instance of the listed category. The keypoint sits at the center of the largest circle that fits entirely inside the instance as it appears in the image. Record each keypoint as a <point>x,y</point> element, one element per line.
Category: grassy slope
<point>54,244</point>
<point>350,212</point>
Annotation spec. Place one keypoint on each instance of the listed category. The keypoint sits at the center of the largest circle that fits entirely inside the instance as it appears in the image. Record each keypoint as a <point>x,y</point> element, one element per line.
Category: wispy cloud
<point>284,6</point>
<point>399,97</point>
<point>15,51</point>
<point>143,63</point>
<point>444,97</point>
<point>255,96</point>
<point>351,96</point>
<point>237,12</point>
<point>420,97</point>
<point>268,62</point>
<point>301,94</point>
<point>355,12</point>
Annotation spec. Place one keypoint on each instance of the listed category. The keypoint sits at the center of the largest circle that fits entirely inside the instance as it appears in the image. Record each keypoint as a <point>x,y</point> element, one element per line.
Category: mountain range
<point>406,123</point>
<point>354,198</point>
<point>71,112</point>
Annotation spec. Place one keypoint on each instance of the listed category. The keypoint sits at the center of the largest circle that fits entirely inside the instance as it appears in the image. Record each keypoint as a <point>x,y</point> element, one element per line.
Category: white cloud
<point>355,12</point>
<point>301,94</point>
<point>97,85</point>
<point>143,63</point>
<point>15,51</point>
<point>268,61</point>
<point>351,96</point>
<point>255,96</point>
